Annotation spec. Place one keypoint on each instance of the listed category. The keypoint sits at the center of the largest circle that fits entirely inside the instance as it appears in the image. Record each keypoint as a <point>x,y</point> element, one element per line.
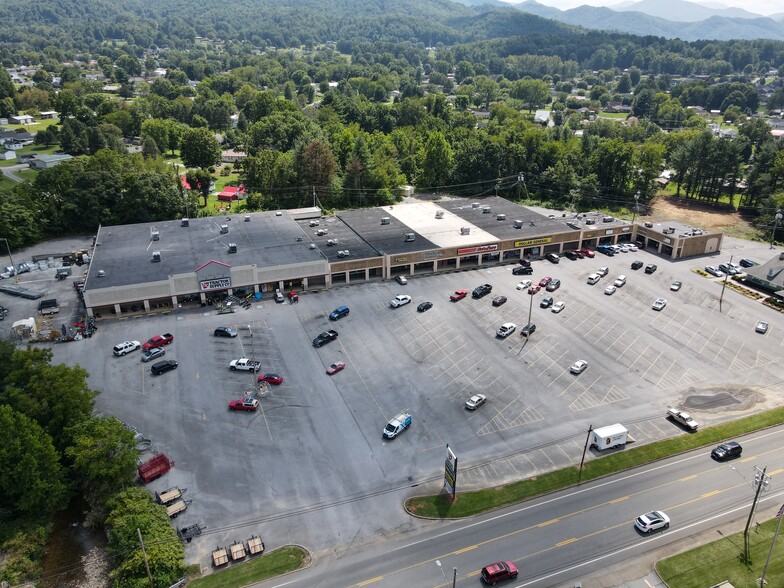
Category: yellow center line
<point>567,542</point>
<point>687,478</point>
<point>476,573</point>
<point>774,472</point>
<point>366,582</point>
<point>714,493</point>
<point>550,522</point>
<point>459,551</point>
<point>621,499</point>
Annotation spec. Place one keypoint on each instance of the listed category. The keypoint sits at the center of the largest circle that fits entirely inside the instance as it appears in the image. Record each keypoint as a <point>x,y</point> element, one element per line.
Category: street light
<point>636,201</point>
<point>777,218</point>
<point>16,273</point>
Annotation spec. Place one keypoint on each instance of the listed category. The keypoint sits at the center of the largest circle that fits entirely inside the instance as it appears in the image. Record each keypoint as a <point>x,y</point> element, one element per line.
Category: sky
<point>763,7</point>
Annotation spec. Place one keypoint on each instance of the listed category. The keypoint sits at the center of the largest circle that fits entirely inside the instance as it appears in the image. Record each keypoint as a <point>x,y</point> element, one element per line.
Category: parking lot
<point>311,466</point>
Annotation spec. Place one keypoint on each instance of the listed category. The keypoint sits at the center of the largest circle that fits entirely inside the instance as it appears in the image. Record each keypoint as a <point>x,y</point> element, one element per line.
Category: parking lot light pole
<point>636,202</point>
<point>16,273</point>
<point>776,218</point>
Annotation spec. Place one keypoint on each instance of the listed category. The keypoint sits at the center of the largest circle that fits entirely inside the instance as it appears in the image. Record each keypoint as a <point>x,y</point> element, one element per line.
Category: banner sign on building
<point>215,284</point>
<point>529,242</point>
<point>450,472</point>
<point>479,249</point>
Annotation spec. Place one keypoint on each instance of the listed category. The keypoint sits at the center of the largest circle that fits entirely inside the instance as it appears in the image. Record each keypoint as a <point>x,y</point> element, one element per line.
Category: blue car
<point>339,313</point>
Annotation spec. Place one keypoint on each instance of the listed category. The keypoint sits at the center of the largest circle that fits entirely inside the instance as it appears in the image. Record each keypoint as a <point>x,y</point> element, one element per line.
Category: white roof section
<point>444,231</point>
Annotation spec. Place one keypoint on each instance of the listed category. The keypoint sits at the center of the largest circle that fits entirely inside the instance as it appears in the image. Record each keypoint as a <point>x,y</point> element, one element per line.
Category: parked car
<point>578,366</point>
<point>522,270</point>
<point>570,255</point>
<point>727,450</point>
<point>633,248</point>
<point>502,570</point>
<point>475,401</point>
<point>610,290</point>
<point>683,418</point>
<point>153,353</point>
<point>279,297</point>
<point>727,269</point>
<point>528,329</point>
<point>588,253</point>
<point>458,295</point>
<point>558,306</point>
<point>552,257</point>
<point>714,271</point>
<point>339,313</point>
<point>659,304</point>
<point>324,338</point>
<point>401,279</point>
<point>524,285</point>
<point>274,379</point>
<point>544,281</point>
<point>499,300</point>
<point>162,367</point>
<point>675,286</point>
<point>593,278</point>
<point>636,265</point>
<point>747,262</point>
<point>126,347</point>
<point>225,332</point>
<point>423,306</point>
<point>553,285</point>
<point>652,521</point>
<point>505,330</point>
<point>603,271</point>
<point>761,327</point>
<point>335,368</point>
<point>482,290</point>
<point>620,281</point>
<point>400,300</point>
<point>546,302</point>
<point>248,404</point>
<point>650,268</point>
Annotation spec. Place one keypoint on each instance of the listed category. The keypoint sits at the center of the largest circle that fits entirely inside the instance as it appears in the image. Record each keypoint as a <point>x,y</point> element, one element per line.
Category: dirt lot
<point>666,208</point>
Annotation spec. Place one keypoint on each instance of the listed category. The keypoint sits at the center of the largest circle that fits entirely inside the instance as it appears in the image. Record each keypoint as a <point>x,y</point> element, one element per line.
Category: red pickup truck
<point>158,341</point>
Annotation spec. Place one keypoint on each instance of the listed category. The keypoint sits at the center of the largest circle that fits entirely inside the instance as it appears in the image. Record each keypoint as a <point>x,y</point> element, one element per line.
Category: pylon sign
<point>450,472</point>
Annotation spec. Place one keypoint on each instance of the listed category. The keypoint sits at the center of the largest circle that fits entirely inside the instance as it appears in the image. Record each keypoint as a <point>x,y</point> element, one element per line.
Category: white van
<point>593,278</point>
<point>620,281</point>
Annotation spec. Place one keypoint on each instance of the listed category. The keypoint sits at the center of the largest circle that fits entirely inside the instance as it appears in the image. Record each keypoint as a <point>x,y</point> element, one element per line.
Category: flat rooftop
<point>681,229</point>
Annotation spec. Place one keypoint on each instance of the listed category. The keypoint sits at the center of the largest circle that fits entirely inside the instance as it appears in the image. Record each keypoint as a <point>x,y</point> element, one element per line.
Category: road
<point>10,171</point>
<point>565,537</point>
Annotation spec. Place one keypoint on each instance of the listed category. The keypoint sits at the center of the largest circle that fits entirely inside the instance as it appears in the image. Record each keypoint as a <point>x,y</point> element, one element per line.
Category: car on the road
<point>553,285</point>
<point>475,401</point>
<point>482,290</point>
<point>761,327</point>
<point>588,253</point>
<point>552,257</point>
<point>401,279</point>
<point>546,302</point>
<point>423,306</point>
<point>153,353</point>
<point>505,330</point>
<point>458,295</point>
<point>400,300</point>
<point>225,332</point>
<point>528,329</point>
<point>659,303</point>
<point>162,367</point>
<point>558,306</point>
<point>651,521</point>
<point>274,379</point>
<point>676,285</point>
<point>522,270</point>
<point>637,265</point>
<point>747,262</point>
<point>544,281</point>
<point>324,338</point>
<point>339,313</point>
<point>336,367</point>
<point>727,450</point>
<point>126,347</point>
<point>499,300</point>
<point>578,366</point>
<point>714,271</point>
<point>502,570</point>
<point>650,268</point>
<point>248,404</point>
<point>524,285</point>
<point>610,290</point>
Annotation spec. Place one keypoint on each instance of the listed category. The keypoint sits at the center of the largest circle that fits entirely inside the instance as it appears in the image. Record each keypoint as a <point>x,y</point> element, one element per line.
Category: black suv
<point>163,366</point>
<point>552,257</point>
<point>636,265</point>
<point>325,338</point>
<point>650,268</point>
<point>482,290</point>
<point>528,329</point>
<point>523,270</point>
<point>727,450</point>
<point>546,302</point>
<point>570,254</point>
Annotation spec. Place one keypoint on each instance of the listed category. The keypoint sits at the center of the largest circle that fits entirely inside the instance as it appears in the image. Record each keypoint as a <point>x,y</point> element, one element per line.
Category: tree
<point>317,164</point>
<point>149,148</point>
<point>436,161</point>
<point>199,148</point>
<point>102,455</point>
<point>486,90</point>
<point>200,180</point>
<point>32,482</point>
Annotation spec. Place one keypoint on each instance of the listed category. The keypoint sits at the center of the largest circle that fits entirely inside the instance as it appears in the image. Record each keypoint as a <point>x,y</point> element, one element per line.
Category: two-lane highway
<point>570,534</point>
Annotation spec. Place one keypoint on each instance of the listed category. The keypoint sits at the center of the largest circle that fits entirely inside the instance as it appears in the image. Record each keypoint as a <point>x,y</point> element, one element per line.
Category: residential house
<point>231,156</point>
<point>21,119</point>
<point>49,161</point>
<point>7,155</point>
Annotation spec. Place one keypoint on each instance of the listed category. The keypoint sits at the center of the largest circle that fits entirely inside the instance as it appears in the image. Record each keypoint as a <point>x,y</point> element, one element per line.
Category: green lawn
<point>269,565</point>
<point>472,503</point>
<point>723,560</point>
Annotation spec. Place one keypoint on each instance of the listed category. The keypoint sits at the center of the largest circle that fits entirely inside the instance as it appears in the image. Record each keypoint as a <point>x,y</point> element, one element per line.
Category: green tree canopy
<point>199,148</point>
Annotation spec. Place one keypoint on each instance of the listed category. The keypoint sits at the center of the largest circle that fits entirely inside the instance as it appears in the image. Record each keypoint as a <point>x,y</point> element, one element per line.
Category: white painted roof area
<point>444,232</point>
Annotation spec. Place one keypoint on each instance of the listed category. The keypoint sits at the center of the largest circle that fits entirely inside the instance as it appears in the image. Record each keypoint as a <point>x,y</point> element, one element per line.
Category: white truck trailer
<point>609,437</point>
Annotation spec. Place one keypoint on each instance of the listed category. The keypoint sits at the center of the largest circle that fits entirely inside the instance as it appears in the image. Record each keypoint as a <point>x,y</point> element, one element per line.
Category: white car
<point>602,271</point>
<point>475,401</point>
<point>524,285</point>
<point>652,521</point>
<point>624,248</point>
<point>659,304</point>
<point>400,300</point>
<point>401,279</point>
<point>578,366</point>
<point>610,290</point>
<point>505,330</point>
<point>762,327</point>
<point>714,271</point>
<point>633,247</point>
<point>558,306</point>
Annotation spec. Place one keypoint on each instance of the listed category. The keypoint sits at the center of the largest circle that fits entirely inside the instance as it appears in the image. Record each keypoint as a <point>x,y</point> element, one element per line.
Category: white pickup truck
<point>244,364</point>
<point>684,418</point>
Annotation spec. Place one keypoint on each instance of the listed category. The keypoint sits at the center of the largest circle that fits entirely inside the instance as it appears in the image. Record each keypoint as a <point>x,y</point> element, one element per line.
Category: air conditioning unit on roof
<point>465,230</point>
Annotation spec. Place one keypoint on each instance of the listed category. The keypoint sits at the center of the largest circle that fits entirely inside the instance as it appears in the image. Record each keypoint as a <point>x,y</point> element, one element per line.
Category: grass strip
<point>275,563</point>
<point>721,560</point>
<point>471,503</point>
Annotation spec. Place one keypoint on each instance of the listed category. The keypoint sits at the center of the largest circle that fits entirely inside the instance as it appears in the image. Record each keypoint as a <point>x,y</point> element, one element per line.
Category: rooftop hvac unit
<point>607,219</point>
<point>232,248</point>
<point>486,210</point>
<point>465,230</point>
<point>474,205</point>
<point>649,225</point>
<point>439,214</point>
<point>669,230</point>
<point>384,220</point>
<point>299,238</point>
<point>247,218</point>
<point>342,253</point>
<point>331,242</point>
<point>155,235</point>
<point>409,237</point>
<point>184,222</point>
<point>312,246</point>
<point>346,252</point>
<point>156,255</point>
<point>572,225</point>
<point>314,223</point>
<point>500,217</point>
<point>590,221</point>
<point>518,224</point>
<point>224,229</point>
<point>278,213</point>
<point>322,232</point>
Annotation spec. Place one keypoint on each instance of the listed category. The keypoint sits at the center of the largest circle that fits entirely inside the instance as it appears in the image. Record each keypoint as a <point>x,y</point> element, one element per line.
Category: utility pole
<point>724,285</point>
<point>777,217</point>
<point>772,545</point>
<point>761,480</point>
<point>636,203</point>
<point>454,574</point>
<point>585,448</point>
<point>144,554</point>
